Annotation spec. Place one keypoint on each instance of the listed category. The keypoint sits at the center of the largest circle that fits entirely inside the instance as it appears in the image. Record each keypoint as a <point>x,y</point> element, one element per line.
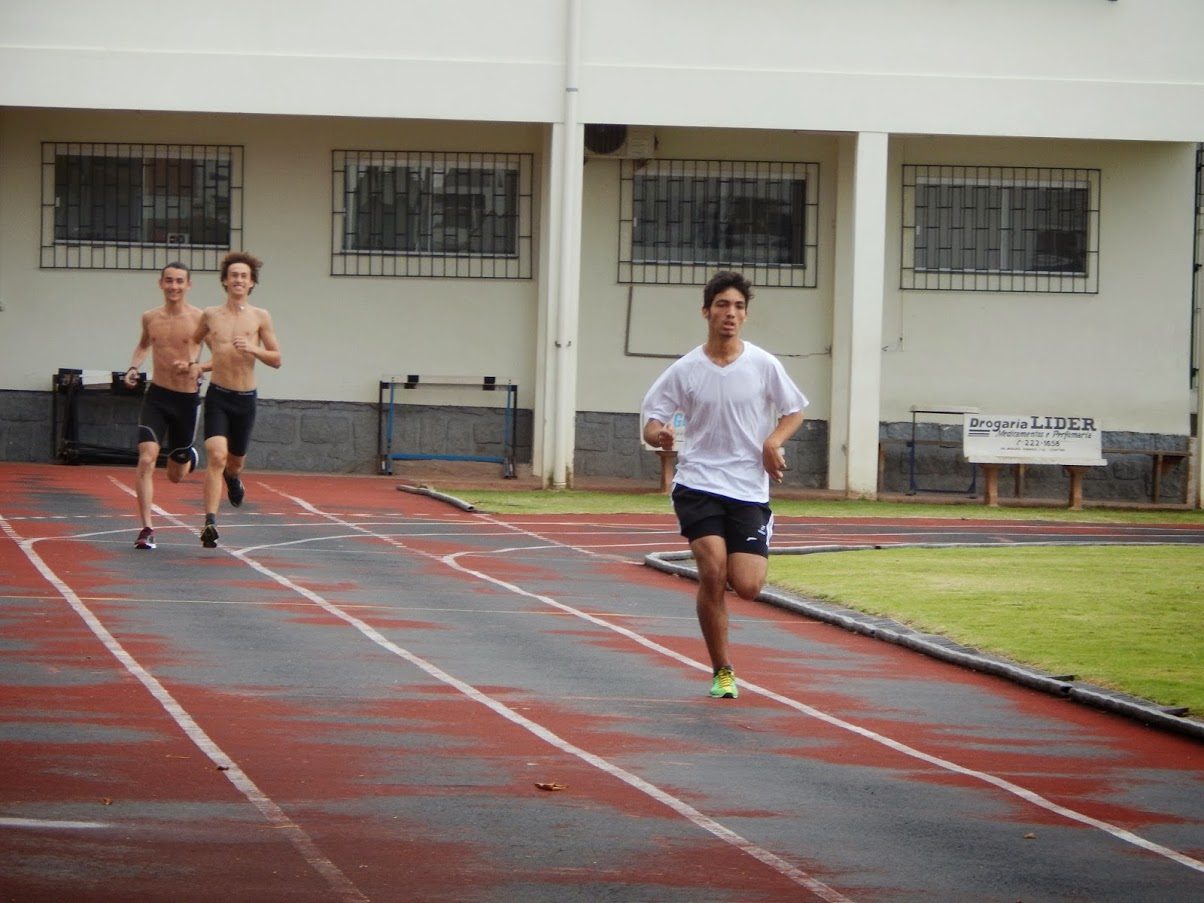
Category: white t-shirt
<point>729,412</point>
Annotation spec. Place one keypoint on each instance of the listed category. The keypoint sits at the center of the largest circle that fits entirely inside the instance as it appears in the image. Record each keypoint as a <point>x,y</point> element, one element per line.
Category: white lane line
<point>50,824</point>
<point>1000,783</point>
<point>705,822</point>
<point>945,764</point>
<point>994,780</point>
<point>271,812</point>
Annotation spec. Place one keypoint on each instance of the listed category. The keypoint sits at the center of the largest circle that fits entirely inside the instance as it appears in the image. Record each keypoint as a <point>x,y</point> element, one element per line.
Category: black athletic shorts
<point>230,414</point>
<point>168,418</point>
<point>745,526</point>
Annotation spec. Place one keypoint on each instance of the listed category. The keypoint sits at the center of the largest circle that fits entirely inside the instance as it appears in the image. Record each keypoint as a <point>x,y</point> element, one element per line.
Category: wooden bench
<point>1163,463</point>
<point>990,471</point>
<point>1070,440</point>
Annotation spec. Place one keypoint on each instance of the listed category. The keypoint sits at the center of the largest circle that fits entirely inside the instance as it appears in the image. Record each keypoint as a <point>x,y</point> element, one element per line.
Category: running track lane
<point>356,696</point>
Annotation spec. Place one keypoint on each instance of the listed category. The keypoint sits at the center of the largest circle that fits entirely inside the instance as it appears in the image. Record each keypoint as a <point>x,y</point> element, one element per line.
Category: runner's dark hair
<point>721,282</point>
<point>242,257</point>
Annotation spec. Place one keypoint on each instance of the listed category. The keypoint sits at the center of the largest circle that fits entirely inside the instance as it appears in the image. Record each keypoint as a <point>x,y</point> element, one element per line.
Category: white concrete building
<point>980,203</point>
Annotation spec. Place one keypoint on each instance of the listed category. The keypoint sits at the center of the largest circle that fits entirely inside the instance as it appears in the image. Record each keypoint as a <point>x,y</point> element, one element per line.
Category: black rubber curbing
<point>435,494</point>
<point>942,648</point>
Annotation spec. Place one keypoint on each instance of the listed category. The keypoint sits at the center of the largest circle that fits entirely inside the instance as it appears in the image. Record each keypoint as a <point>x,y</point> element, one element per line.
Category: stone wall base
<point>346,437</point>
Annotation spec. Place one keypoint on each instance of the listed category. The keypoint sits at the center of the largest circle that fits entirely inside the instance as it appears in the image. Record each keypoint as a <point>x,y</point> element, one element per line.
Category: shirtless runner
<point>238,334</point>
<point>167,419</point>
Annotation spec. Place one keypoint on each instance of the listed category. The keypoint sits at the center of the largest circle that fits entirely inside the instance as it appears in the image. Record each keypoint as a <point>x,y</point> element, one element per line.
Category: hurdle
<point>392,385</point>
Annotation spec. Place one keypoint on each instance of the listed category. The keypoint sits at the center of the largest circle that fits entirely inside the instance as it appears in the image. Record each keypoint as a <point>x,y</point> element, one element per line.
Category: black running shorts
<point>168,418</point>
<point>230,414</point>
<point>745,526</point>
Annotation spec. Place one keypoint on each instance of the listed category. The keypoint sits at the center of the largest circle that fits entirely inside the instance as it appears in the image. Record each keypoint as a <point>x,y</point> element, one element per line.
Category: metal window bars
<point>681,220</point>
<point>432,214</point>
<point>1000,228</point>
<point>139,206</point>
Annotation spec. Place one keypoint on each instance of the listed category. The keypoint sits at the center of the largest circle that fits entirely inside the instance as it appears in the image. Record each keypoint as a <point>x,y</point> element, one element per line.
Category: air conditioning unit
<point>623,142</point>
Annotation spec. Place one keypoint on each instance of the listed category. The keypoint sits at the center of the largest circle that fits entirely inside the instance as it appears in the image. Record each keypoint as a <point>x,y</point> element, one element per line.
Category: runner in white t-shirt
<point>740,407</point>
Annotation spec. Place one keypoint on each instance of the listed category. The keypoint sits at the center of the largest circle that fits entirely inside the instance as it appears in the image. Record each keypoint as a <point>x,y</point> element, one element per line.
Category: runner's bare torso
<point>238,336</point>
<point>169,333</point>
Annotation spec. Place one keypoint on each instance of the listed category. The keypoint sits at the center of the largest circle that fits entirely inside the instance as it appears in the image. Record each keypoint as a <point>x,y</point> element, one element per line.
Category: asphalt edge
<point>891,631</point>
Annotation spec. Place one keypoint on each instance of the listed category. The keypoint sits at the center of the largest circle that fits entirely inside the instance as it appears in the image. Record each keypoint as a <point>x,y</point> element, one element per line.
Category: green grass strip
<point>1129,618</point>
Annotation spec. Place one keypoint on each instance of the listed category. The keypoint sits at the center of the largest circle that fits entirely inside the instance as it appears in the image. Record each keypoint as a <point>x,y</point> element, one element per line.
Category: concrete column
<point>842,317</point>
<point>563,350</point>
<point>567,145</point>
<point>864,315</point>
<point>549,251</point>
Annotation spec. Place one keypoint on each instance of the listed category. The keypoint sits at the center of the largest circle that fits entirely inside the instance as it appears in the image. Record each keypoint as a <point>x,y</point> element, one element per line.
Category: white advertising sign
<point>1031,439</point>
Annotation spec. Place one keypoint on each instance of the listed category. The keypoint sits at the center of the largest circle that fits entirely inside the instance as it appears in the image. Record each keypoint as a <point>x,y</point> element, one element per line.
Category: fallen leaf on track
<point>549,785</point>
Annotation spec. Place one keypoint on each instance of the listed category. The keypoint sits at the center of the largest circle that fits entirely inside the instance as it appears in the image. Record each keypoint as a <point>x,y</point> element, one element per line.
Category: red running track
<point>368,695</point>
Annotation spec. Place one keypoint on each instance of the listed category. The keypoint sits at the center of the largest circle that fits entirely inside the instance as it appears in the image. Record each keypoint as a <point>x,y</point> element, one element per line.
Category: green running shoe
<point>724,684</point>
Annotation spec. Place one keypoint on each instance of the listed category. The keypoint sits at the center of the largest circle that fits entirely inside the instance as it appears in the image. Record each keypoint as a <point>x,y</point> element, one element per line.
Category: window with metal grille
<point>139,206</point>
<point>681,220</point>
<point>1000,229</point>
<point>443,214</point>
